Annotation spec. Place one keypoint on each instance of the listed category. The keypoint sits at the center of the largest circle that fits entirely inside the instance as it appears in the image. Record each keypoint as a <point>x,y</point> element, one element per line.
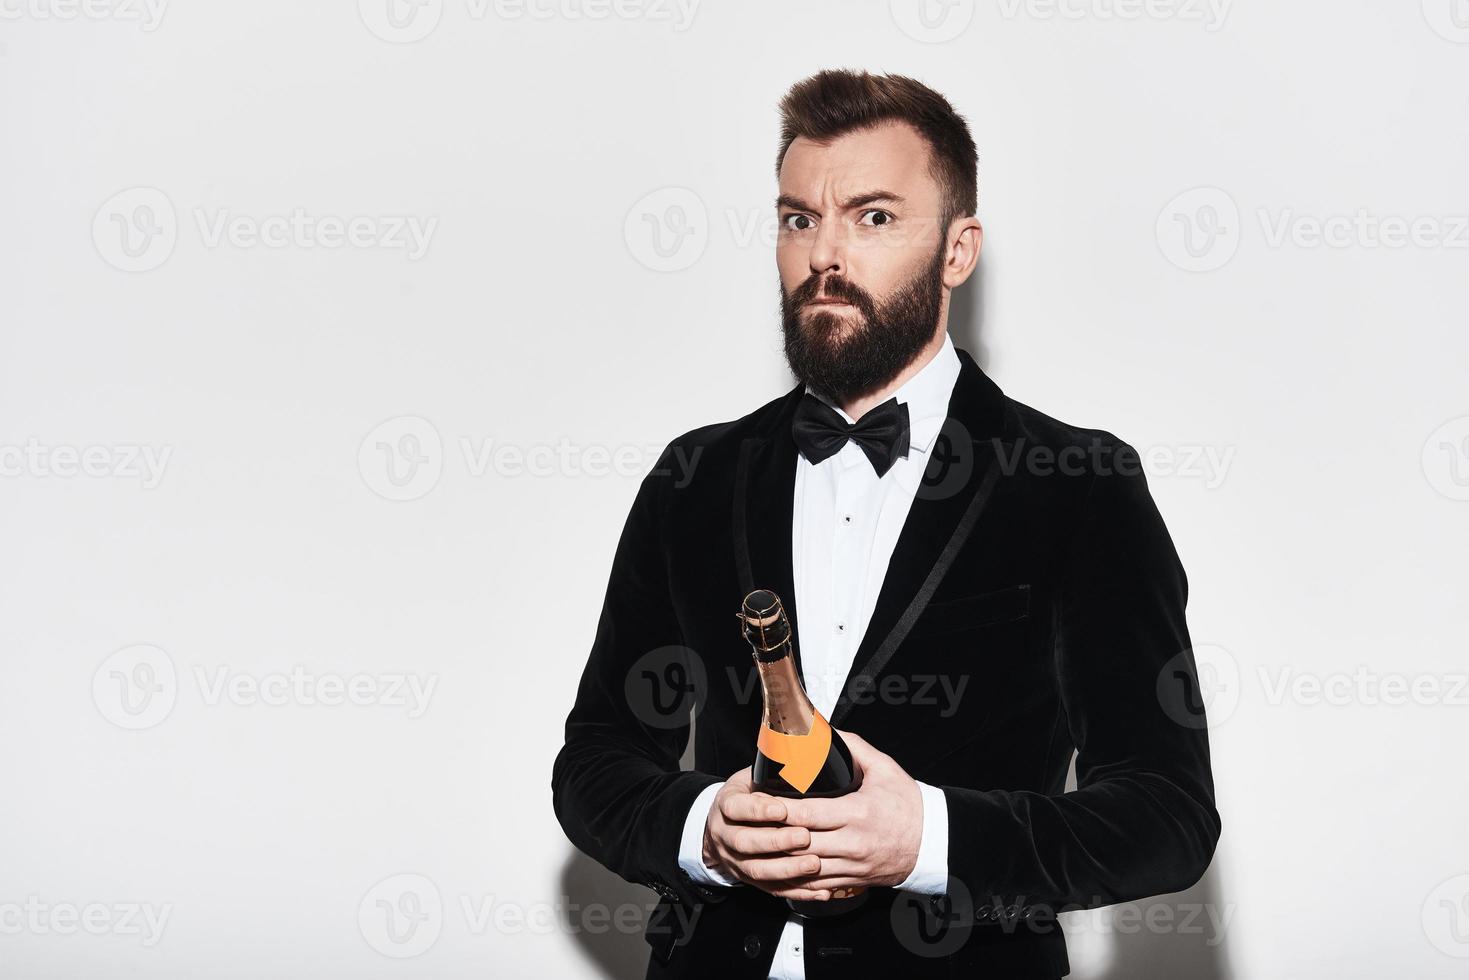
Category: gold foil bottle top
<point>766,626</point>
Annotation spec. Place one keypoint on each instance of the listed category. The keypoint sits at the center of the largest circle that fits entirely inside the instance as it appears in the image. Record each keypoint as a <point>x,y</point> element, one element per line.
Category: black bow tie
<point>882,433</point>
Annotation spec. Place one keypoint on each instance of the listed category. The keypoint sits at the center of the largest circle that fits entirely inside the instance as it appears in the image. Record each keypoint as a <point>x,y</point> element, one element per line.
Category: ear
<point>961,253</point>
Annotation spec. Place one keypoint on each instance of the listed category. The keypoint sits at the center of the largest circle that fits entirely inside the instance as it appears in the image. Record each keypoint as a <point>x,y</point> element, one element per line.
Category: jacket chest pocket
<point>973,611</point>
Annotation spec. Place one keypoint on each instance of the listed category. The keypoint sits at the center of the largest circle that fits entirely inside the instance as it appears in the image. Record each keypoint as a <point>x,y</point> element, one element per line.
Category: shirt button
<point>796,949</point>
<point>841,627</point>
<point>846,518</point>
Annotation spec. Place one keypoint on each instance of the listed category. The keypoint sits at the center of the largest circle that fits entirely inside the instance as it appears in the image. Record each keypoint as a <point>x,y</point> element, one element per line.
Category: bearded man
<point>979,593</point>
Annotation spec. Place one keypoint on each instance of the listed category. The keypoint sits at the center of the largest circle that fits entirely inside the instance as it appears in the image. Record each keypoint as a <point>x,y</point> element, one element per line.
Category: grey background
<point>336,429</point>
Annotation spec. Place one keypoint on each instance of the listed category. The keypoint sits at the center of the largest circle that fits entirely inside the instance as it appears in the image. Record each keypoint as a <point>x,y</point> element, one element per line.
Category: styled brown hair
<point>838,101</point>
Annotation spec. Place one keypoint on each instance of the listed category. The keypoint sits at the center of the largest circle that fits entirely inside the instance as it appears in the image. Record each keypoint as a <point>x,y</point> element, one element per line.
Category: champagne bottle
<point>798,753</point>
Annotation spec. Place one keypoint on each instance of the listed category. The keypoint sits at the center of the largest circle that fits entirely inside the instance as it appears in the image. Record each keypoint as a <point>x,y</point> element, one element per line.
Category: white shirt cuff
<point>691,845</point>
<point>930,875</point>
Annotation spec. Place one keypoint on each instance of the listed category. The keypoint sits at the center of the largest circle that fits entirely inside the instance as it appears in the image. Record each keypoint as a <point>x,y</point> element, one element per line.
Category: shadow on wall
<point>1186,939</point>
<point>967,315</point>
<point>611,951</point>
<point>616,952</point>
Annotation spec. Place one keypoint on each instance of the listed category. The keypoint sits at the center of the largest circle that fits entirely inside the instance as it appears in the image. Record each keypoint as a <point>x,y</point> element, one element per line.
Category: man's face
<point>861,255</point>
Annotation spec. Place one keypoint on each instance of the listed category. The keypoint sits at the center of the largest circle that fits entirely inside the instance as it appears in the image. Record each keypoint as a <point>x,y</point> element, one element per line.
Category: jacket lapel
<point>962,472</point>
<point>765,485</point>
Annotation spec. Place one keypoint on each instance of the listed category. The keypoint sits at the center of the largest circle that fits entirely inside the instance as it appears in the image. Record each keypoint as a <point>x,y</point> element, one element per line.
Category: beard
<point>845,355</point>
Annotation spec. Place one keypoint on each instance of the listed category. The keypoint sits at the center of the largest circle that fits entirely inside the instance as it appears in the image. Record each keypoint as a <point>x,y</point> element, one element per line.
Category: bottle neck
<point>786,709</point>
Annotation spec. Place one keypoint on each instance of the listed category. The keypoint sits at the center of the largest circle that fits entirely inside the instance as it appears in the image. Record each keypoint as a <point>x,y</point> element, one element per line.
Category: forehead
<point>891,156</point>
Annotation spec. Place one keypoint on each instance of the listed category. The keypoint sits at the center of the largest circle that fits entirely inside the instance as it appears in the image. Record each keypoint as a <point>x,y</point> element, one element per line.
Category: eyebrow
<point>856,201</point>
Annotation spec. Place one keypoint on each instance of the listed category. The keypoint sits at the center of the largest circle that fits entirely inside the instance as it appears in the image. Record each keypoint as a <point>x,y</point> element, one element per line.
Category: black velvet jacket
<point>1033,569</point>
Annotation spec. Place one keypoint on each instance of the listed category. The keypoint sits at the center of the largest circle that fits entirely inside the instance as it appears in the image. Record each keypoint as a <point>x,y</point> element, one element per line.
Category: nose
<point>827,250</point>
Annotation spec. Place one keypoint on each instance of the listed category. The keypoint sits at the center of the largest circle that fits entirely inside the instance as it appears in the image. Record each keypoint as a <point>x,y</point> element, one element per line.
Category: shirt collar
<point>926,394</point>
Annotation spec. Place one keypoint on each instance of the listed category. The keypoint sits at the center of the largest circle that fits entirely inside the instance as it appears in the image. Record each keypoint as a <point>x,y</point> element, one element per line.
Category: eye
<point>879,218</point>
<point>797,222</point>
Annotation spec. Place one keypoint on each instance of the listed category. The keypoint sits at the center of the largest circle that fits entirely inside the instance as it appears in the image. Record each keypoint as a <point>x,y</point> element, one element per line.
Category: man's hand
<point>745,838</point>
<point>869,837</point>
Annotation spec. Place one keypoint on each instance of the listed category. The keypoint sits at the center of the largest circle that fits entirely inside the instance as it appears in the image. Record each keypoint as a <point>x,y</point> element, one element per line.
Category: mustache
<point>836,287</point>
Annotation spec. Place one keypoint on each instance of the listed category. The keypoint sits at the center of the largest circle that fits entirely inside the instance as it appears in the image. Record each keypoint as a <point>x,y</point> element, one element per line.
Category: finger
<point>781,868</point>
<point>835,867</point>
<point>752,808</point>
<point>819,814</point>
<point>799,893</point>
<point>753,841</point>
<point>839,843</point>
<point>863,751</point>
<point>828,883</point>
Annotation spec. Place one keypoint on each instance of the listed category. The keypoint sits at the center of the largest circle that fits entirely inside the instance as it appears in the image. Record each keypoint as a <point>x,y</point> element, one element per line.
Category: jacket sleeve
<point>1142,820</point>
<point>616,785</point>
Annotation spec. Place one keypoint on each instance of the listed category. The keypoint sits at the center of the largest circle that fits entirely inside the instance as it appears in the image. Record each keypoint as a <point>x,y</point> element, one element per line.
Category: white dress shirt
<point>845,523</point>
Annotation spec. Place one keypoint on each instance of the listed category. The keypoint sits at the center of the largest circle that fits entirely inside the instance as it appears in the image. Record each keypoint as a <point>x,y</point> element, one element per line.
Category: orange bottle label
<point>803,756</point>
